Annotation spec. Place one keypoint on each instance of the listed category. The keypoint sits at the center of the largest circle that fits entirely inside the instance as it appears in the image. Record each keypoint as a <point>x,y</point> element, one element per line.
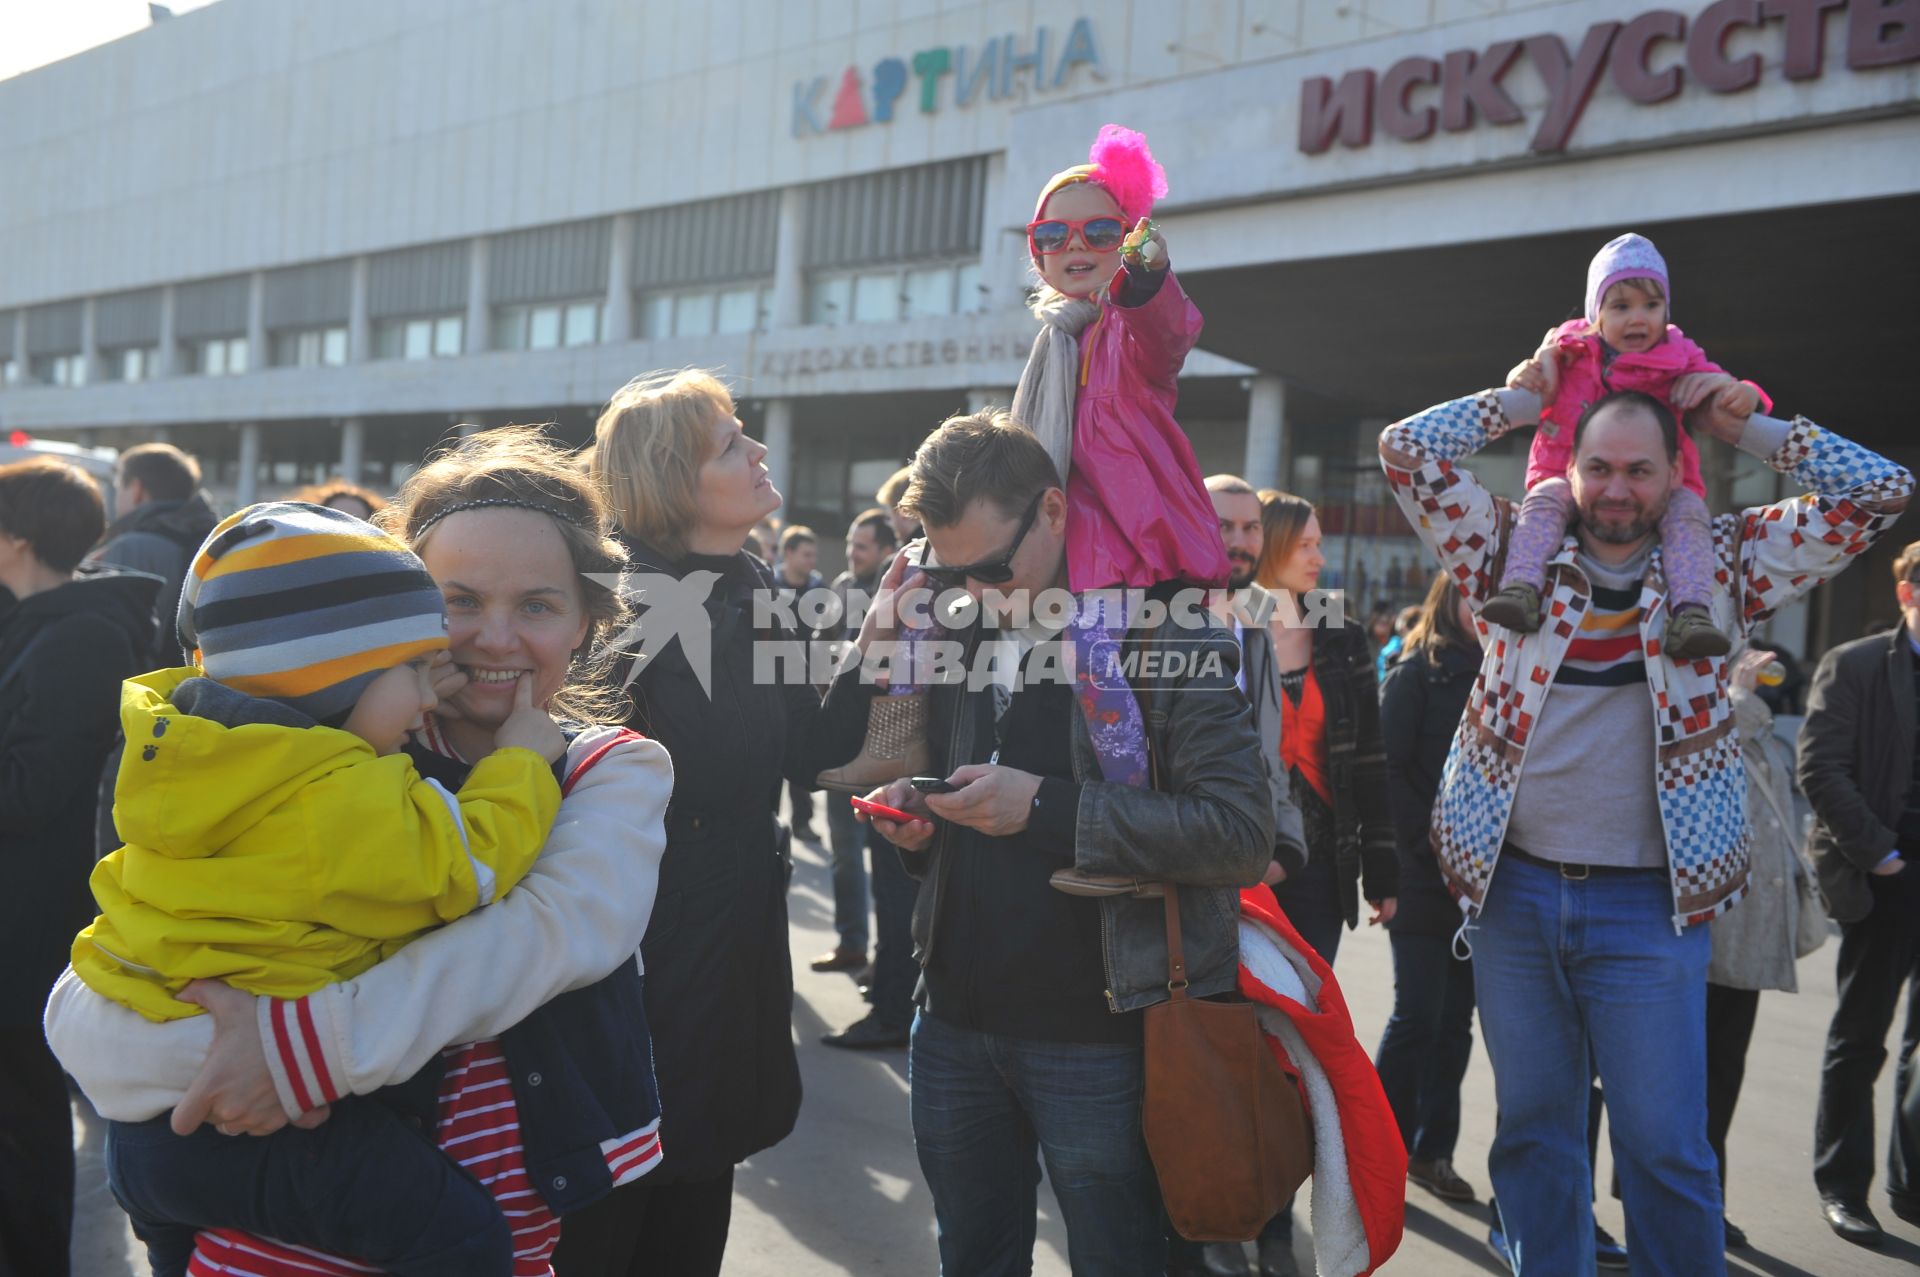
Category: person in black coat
<point>65,646</point>
<point>1424,1050</point>
<point>687,486</point>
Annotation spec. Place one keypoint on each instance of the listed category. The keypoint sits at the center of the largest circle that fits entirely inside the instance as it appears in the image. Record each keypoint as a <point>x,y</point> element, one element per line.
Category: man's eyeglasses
<point>1051,235</point>
<point>994,571</point>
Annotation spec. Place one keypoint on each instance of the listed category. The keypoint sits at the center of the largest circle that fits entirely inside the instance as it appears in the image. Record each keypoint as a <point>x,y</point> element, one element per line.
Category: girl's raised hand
<point>1145,247</point>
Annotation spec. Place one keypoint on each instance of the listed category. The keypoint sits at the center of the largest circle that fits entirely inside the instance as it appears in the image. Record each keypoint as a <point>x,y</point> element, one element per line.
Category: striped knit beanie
<point>306,605</point>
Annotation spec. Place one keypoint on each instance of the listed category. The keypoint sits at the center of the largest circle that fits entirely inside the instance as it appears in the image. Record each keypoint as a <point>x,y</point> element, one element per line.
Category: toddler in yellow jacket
<point>275,836</point>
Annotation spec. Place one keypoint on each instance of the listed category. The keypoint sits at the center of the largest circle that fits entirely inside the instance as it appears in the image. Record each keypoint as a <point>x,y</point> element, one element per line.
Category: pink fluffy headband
<point>1120,164</point>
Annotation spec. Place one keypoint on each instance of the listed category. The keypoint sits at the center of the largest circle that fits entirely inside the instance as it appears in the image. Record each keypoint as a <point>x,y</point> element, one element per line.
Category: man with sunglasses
<point>1028,1043</point>
<point>1860,768</point>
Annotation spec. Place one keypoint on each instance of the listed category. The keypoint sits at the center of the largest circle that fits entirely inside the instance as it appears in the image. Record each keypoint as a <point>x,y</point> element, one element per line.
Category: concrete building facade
<point>305,240</point>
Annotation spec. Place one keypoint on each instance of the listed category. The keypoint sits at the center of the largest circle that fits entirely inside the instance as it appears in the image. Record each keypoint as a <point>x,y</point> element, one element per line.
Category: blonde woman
<point>687,487</point>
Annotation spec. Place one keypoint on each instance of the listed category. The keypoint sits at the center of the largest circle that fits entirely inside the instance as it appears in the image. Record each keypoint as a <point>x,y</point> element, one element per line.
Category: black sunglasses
<point>995,571</point>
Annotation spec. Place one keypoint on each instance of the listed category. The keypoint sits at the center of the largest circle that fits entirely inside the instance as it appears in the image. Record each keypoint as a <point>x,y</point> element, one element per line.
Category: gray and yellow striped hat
<point>306,605</point>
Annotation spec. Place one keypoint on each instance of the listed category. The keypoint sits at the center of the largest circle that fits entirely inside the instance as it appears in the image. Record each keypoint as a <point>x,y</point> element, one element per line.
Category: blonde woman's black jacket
<point>719,978</point>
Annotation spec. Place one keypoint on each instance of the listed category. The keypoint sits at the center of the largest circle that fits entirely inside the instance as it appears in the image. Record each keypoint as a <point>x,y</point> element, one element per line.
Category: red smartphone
<point>884,811</point>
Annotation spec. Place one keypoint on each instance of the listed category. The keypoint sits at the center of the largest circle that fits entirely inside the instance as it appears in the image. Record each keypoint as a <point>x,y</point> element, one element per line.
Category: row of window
<point>885,295</point>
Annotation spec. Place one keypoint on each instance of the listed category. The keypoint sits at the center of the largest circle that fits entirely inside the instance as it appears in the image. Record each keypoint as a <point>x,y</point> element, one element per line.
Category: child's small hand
<point>1145,247</point>
<point>1740,399</point>
<point>448,681</point>
<point>1695,388</point>
<point>530,727</point>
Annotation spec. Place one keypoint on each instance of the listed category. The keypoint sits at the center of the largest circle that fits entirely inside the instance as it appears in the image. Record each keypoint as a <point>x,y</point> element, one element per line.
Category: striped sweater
<point>1766,557</point>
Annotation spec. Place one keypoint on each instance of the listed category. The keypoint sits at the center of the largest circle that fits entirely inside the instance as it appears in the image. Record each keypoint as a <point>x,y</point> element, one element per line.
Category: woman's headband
<point>503,503</point>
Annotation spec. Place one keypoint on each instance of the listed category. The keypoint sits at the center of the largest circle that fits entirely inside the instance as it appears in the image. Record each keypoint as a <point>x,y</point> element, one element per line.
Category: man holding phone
<point>1029,1039</point>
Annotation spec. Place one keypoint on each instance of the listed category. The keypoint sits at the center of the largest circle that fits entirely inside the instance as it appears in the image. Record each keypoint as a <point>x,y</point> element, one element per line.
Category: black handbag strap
<point>1176,957</point>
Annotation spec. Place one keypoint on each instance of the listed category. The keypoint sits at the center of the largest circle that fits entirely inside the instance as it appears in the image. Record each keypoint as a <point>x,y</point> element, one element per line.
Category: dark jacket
<point>1262,683</point>
<point>1356,769</point>
<point>719,977</point>
<point>1210,828</point>
<point>1855,764</point>
<point>1420,708</point>
<point>68,648</point>
<point>159,538</point>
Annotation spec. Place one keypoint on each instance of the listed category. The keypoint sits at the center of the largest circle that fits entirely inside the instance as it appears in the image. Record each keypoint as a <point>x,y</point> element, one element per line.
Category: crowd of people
<point>405,905</point>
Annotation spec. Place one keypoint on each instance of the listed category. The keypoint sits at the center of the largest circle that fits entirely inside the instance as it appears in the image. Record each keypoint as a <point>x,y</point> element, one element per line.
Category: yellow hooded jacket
<point>281,859</point>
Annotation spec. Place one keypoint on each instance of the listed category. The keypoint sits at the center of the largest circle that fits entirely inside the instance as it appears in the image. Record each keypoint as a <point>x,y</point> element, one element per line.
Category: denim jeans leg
<point>1538,1046</point>
<point>894,971</point>
<point>1084,1102</point>
<point>363,1183</point>
<point>977,1150</point>
<point>1642,991</point>
<point>1439,1128</point>
<point>847,857</point>
<point>1413,1030</point>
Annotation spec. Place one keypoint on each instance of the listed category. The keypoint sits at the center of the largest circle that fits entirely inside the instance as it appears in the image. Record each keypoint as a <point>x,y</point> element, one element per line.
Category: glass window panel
<point>543,328</point>
<point>213,359</point>
<point>966,284</point>
<point>693,315</point>
<point>738,311</point>
<point>930,291</point>
<point>876,298</point>
<point>510,329</point>
<point>830,301</point>
<point>583,324</point>
<point>387,337</point>
<point>656,318</point>
<point>448,334</point>
<point>333,346</point>
<point>419,339</point>
<point>237,355</point>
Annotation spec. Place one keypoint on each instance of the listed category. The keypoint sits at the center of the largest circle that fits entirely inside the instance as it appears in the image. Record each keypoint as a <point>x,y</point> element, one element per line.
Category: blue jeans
<point>895,973</point>
<point>1428,1040</point>
<point>986,1109</point>
<point>847,857</point>
<point>1564,968</point>
<point>364,1185</point>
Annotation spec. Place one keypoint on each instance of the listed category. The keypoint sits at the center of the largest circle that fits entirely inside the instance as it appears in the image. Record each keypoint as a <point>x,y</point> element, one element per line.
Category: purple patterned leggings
<point>1686,541</point>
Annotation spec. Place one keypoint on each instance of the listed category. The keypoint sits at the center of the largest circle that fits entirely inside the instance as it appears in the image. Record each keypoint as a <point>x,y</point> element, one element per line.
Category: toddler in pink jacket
<point>1623,343</point>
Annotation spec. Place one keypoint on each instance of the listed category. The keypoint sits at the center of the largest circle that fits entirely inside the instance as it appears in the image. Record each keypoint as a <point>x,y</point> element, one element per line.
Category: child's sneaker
<point>1517,607</point>
<point>1691,635</point>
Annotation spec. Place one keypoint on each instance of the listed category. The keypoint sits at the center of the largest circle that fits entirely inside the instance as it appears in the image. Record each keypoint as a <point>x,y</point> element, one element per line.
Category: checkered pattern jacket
<point>1768,556</point>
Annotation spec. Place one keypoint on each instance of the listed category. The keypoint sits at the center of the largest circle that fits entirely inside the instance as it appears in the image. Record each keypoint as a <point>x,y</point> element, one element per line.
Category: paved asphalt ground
<point>844,1195</point>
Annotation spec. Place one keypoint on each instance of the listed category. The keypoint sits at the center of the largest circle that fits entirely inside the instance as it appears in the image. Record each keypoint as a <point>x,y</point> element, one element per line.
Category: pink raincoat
<point>1140,510</point>
<point>1652,371</point>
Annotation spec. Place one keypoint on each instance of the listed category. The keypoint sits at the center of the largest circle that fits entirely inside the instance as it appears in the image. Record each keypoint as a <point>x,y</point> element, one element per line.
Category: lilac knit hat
<point>1629,256</point>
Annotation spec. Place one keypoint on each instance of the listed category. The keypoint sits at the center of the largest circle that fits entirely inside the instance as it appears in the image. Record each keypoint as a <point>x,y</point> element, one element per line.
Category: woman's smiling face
<point>514,607</point>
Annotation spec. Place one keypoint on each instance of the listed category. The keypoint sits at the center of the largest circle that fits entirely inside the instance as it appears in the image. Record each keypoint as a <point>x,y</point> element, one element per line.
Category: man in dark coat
<point>65,646</point>
<point>1861,771</point>
<point>163,518</point>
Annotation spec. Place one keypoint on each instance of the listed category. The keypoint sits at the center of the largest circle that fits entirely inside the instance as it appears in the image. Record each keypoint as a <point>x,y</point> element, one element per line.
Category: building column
<point>1004,263</point>
<point>479,280</point>
<point>169,343</point>
<point>353,448</point>
<point>466,424</point>
<point>17,344</point>
<point>1266,433</point>
<point>359,329</point>
<point>981,397</point>
<point>779,441</point>
<point>257,354</point>
<point>618,324</point>
<point>89,343</point>
<point>246,486</point>
<point>789,260</point>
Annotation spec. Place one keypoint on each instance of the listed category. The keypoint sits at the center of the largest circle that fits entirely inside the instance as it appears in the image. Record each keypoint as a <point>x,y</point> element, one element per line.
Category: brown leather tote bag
<point>1224,1123</point>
